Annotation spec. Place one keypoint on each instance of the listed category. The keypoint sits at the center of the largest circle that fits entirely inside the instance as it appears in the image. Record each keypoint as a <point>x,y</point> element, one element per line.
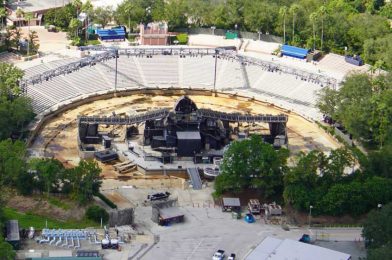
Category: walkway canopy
<point>295,52</point>
<point>111,34</point>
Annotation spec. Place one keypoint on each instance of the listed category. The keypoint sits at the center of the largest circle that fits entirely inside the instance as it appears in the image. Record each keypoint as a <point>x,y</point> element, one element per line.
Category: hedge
<point>106,200</point>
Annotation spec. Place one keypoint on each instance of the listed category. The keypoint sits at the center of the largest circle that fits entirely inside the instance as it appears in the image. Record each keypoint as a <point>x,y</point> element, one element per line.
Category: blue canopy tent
<point>295,52</point>
<point>111,34</point>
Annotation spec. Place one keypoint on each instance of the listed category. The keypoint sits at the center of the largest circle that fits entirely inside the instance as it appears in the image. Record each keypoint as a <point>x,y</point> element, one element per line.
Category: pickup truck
<point>158,196</point>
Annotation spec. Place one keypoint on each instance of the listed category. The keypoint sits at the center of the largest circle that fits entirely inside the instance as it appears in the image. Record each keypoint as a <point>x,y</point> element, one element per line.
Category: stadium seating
<point>288,91</point>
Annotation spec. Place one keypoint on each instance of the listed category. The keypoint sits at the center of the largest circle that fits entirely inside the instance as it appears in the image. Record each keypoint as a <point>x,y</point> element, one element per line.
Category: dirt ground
<point>39,206</point>
<point>58,137</point>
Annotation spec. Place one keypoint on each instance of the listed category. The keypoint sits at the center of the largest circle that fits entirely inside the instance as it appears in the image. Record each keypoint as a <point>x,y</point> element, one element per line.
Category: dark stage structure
<point>184,131</point>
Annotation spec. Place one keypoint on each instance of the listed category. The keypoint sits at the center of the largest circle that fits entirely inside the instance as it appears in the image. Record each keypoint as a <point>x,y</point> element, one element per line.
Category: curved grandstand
<point>59,83</point>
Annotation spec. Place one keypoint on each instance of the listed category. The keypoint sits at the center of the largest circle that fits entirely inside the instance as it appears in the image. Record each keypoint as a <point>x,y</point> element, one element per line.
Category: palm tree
<point>28,17</point>
<point>77,4</point>
<point>19,13</point>
<point>313,18</point>
<point>293,10</point>
<point>3,14</point>
<point>283,12</point>
<point>322,11</point>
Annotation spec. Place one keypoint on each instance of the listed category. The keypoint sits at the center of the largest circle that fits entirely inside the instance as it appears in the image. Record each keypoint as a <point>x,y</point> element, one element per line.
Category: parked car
<point>219,255</point>
<point>231,257</point>
<point>158,196</point>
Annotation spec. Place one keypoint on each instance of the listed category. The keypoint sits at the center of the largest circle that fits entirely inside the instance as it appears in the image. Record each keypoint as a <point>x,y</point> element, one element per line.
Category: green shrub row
<point>106,200</point>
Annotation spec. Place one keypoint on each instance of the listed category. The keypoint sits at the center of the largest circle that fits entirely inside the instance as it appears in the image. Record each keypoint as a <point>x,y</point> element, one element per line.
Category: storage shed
<point>12,231</point>
<point>231,204</point>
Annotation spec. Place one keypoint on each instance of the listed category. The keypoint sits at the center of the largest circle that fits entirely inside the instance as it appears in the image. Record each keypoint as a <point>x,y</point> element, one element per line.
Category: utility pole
<point>215,70</point>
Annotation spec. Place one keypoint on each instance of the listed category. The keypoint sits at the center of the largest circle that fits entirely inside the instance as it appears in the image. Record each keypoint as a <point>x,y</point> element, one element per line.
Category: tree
<point>313,19</point>
<point>6,251</point>
<point>384,252</point>
<point>322,11</point>
<point>9,79</point>
<point>16,37</point>
<point>78,5</point>
<point>12,164</point>
<point>199,12</point>
<point>48,172</point>
<point>88,8</point>
<point>61,17</point>
<point>283,13</point>
<point>255,20</point>
<point>328,101</point>
<point>252,164</point>
<point>97,213</point>
<point>3,15</point>
<point>175,12</point>
<point>379,49</point>
<point>85,180</point>
<point>386,10</point>
<point>377,228</point>
<point>294,8</point>
<point>73,28</point>
<point>365,26</point>
<point>131,13</point>
<point>28,17</point>
<point>103,15</point>
<point>301,180</point>
<point>33,41</point>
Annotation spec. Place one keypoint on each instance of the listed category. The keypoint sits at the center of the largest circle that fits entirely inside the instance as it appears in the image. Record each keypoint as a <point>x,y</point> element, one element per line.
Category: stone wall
<point>121,217</point>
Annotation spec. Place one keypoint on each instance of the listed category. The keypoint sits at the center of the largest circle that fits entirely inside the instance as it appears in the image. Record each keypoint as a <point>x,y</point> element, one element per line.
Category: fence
<point>222,32</point>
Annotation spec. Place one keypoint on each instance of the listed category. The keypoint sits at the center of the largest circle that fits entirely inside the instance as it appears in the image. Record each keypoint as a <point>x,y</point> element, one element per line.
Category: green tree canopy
<point>363,106</point>
<point>377,230</point>
<point>251,163</point>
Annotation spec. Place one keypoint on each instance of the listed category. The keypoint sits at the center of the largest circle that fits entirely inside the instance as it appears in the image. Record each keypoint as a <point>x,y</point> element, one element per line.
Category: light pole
<point>215,69</point>
<point>213,29</point>
<point>116,72</point>
<point>310,215</point>
<point>260,33</point>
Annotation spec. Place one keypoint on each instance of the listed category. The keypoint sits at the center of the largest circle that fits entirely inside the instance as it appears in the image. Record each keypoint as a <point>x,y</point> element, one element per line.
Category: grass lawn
<point>27,220</point>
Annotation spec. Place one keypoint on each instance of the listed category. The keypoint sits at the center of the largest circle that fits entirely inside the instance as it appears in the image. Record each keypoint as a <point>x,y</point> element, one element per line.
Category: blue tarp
<point>295,52</point>
<point>111,34</point>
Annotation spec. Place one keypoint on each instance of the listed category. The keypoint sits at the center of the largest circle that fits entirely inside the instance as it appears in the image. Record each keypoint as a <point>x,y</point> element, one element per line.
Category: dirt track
<point>58,137</point>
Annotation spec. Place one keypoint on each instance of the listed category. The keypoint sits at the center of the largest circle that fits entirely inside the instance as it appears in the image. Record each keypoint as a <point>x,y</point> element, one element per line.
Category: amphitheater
<point>252,81</point>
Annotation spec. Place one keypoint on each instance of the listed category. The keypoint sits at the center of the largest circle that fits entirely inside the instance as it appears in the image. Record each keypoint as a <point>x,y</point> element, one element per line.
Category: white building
<point>277,249</point>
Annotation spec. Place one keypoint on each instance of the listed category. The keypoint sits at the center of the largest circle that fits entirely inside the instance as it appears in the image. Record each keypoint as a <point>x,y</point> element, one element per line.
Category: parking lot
<point>205,230</point>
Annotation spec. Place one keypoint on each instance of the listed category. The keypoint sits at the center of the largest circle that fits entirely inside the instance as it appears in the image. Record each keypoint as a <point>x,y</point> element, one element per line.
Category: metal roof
<point>189,135</point>
<point>67,258</point>
<point>294,51</point>
<point>233,202</point>
<point>36,5</point>
<point>168,213</point>
<point>276,249</point>
<point>12,227</point>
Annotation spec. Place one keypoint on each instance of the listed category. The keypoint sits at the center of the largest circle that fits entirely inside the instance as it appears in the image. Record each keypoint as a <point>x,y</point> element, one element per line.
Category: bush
<point>106,200</point>
<point>95,213</point>
<point>182,38</point>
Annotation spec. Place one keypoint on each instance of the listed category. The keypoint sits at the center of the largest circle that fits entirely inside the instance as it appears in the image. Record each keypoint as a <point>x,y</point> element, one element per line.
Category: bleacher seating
<point>282,89</point>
